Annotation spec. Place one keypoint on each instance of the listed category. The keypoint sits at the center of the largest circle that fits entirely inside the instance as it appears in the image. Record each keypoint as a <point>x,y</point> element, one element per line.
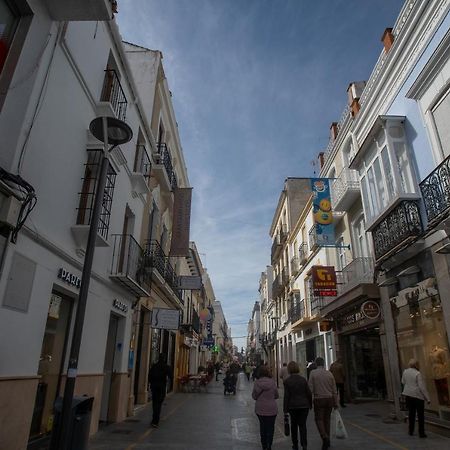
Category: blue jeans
<point>266,430</point>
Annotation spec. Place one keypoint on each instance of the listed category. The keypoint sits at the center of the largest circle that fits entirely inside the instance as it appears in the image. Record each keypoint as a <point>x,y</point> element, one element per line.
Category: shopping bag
<point>402,401</point>
<point>341,432</point>
<point>287,428</point>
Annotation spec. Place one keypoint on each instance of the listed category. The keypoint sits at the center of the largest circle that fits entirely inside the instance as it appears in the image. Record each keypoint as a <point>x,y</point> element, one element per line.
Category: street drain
<point>373,415</point>
<point>121,431</point>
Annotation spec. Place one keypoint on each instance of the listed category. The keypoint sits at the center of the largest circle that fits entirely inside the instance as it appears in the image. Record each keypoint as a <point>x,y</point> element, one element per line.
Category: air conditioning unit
<point>9,211</point>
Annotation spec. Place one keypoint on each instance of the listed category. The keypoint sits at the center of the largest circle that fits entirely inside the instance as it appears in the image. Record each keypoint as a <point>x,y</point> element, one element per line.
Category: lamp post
<point>108,130</point>
<point>275,320</point>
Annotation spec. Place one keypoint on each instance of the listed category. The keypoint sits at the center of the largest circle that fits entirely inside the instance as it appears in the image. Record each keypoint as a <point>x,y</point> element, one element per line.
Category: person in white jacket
<point>416,394</point>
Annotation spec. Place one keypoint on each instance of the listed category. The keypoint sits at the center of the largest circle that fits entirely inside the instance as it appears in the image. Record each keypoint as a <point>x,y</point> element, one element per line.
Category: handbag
<point>287,427</point>
<point>341,432</point>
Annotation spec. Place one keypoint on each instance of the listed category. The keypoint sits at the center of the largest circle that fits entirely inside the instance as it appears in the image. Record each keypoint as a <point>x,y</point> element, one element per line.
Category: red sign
<point>324,281</point>
<point>371,309</point>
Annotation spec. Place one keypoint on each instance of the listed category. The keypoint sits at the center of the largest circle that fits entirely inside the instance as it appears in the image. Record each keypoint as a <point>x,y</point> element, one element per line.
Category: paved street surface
<point>200,421</point>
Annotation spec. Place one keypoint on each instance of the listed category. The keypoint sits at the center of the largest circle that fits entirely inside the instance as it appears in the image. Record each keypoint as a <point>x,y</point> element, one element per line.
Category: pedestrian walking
<point>297,402</point>
<point>157,376</point>
<point>323,388</point>
<point>310,366</point>
<point>284,373</point>
<point>337,369</point>
<point>416,394</point>
<point>217,369</point>
<point>248,371</point>
<point>265,393</point>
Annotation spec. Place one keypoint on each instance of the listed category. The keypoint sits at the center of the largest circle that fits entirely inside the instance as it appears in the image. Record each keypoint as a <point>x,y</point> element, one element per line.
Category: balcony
<point>302,314</point>
<point>297,311</point>
<point>141,170</point>
<point>435,190</point>
<point>402,225</point>
<point>80,10</point>
<point>345,190</point>
<point>359,271</point>
<point>313,238</point>
<point>283,234</point>
<point>284,276</point>
<point>303,253</point>
<point>295,265</point>
<point>163,168</point>
<point>277,288</point>
<point>113,94</point>
<point>127,265</point>
<point>276,249</point>
<point>155,259</point>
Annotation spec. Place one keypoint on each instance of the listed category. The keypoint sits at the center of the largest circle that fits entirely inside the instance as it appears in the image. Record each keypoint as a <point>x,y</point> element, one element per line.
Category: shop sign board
<point>370,309</point>
<point>121,306</point>
<point>165,319</point>
<point>324,281</point>
<point>190,283</point>
<point>323,216</point>
<point>70,278</point>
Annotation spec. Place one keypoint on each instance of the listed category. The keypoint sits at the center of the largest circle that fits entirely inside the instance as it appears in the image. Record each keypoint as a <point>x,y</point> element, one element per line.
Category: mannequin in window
<point>438,358</point>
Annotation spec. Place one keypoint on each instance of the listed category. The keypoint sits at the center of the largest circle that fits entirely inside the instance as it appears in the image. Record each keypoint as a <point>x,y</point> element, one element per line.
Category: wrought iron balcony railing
<point>284,276</point>
<point>127,265</point>
<point>277,288</point>
<point>295,265</point>
<point>436,192</point>
<point>276,248</point>
<point>345,189</point>
<point>359,271</point>
<point>303,253</point>
<point>162,156</point>
<point>142,163</point>
<point>283,234</point>
<point>313,240</point>
<point>400,226</point>
<point>297,311</point>
<point>113,93</point>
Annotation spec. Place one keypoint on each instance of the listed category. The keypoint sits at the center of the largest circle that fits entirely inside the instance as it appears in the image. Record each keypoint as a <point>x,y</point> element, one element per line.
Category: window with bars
<point>88,190</point>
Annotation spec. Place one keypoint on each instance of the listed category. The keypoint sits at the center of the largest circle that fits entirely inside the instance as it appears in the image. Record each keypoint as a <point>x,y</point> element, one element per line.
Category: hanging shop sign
<point>324,281</point>
<point>370,309</point>
<point>121,306</point>
<point>189,283</point>
<point>323,216</point>
<point>69,278</point>
<point>165,319</point>
<point>179,245</point>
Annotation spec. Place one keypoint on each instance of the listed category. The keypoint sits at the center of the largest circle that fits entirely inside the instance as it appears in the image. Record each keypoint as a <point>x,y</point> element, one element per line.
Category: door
<point>108,366</point>
<point>51,363</point>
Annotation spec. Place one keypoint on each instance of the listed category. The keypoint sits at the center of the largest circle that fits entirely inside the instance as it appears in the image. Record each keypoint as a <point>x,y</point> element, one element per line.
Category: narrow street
<point>200,421</point>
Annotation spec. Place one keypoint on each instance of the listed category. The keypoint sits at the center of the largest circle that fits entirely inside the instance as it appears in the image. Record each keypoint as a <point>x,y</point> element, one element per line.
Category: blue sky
<point>256,85</point>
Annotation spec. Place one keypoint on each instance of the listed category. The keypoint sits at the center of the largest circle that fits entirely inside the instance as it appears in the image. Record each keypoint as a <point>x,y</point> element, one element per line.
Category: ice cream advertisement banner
<point>323,216</point>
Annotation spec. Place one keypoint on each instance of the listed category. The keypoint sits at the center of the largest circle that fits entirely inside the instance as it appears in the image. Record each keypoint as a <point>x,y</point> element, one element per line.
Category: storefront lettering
<point>371,309</point>
<point>121,306</point>
<point>69,278</point>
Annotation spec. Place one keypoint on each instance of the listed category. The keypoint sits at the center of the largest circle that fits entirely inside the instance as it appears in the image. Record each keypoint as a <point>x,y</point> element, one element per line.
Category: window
<point>360,238</point>
<point>8,26</point>
<point>386,171</point>
<point>441,113</point>
<point>88,190</point>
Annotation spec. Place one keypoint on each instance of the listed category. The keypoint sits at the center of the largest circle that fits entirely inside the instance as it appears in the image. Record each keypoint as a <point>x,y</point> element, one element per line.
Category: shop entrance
<point>51,363</point>
<point>364,362</point>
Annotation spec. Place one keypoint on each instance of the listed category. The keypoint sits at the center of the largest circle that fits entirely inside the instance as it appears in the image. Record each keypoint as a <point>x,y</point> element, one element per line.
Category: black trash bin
<point>80,422</point>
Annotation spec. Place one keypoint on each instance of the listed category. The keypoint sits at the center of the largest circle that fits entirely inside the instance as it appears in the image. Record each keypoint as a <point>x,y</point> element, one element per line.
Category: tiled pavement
<point>200,421</point>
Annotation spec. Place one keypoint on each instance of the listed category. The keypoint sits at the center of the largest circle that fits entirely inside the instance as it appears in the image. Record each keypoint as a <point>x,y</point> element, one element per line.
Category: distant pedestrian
<point>416,394</point>
<point>337,369</point>
<point>265,393</point>
<point>217,369</point>
<point>323,388</point>
<point>310,367</point>
<point>297,402</point>
<point>284,372</point>
<point>248,370</point>
<point>157,376</point>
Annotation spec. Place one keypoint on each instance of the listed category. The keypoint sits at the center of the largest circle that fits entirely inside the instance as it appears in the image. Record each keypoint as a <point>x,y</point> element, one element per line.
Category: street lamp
<point>108,130</point>
<point>276,319</point>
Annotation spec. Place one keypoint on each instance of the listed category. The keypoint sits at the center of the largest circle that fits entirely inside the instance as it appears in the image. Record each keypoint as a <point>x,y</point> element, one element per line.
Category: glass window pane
<point>382,197</point>
<point>387,168</point>
<point>368,209</point>
<point>404,167</point>
<point>373,195</point>
<point>441,113</point>
<point>8,23</point>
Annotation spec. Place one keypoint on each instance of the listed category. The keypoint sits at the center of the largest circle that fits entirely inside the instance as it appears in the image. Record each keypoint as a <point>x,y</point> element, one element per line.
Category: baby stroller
<point>229,383</point>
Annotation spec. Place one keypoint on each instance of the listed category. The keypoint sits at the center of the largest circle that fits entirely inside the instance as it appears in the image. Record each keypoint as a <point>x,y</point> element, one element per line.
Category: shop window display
<point>421,335</point>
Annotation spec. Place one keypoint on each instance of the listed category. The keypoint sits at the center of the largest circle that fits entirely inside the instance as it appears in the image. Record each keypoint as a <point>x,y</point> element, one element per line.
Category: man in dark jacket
<point>157,376</point>
<point>297,402</point>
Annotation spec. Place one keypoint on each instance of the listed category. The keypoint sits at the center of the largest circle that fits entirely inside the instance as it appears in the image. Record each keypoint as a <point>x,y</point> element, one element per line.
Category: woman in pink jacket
<point>265,393</point>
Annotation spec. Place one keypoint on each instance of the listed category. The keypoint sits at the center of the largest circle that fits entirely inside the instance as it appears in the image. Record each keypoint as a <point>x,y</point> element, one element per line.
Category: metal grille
<point>163,157</point>
<point>436,192</point>
<point>142,162</point>
<point>112,92</point>
<point>401,225</point>
<point>88,190</point>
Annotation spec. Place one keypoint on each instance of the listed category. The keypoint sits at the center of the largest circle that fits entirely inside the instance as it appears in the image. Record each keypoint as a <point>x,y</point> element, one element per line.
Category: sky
<point>256,85</point>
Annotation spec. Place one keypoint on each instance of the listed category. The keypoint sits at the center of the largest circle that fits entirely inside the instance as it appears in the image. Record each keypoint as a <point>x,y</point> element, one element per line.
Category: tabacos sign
<point>324,281</point>
<point>69,278</point>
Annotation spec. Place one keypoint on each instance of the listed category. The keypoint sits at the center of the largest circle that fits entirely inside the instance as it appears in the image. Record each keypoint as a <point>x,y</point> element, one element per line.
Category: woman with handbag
<point>297,402</point>
<point>416,394</point>
<point>265,392</point>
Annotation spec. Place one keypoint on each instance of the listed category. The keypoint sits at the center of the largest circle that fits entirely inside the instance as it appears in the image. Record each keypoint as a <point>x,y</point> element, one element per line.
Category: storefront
<point>358,336</point>
<point>312,346</point>
<point>421,335</point>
